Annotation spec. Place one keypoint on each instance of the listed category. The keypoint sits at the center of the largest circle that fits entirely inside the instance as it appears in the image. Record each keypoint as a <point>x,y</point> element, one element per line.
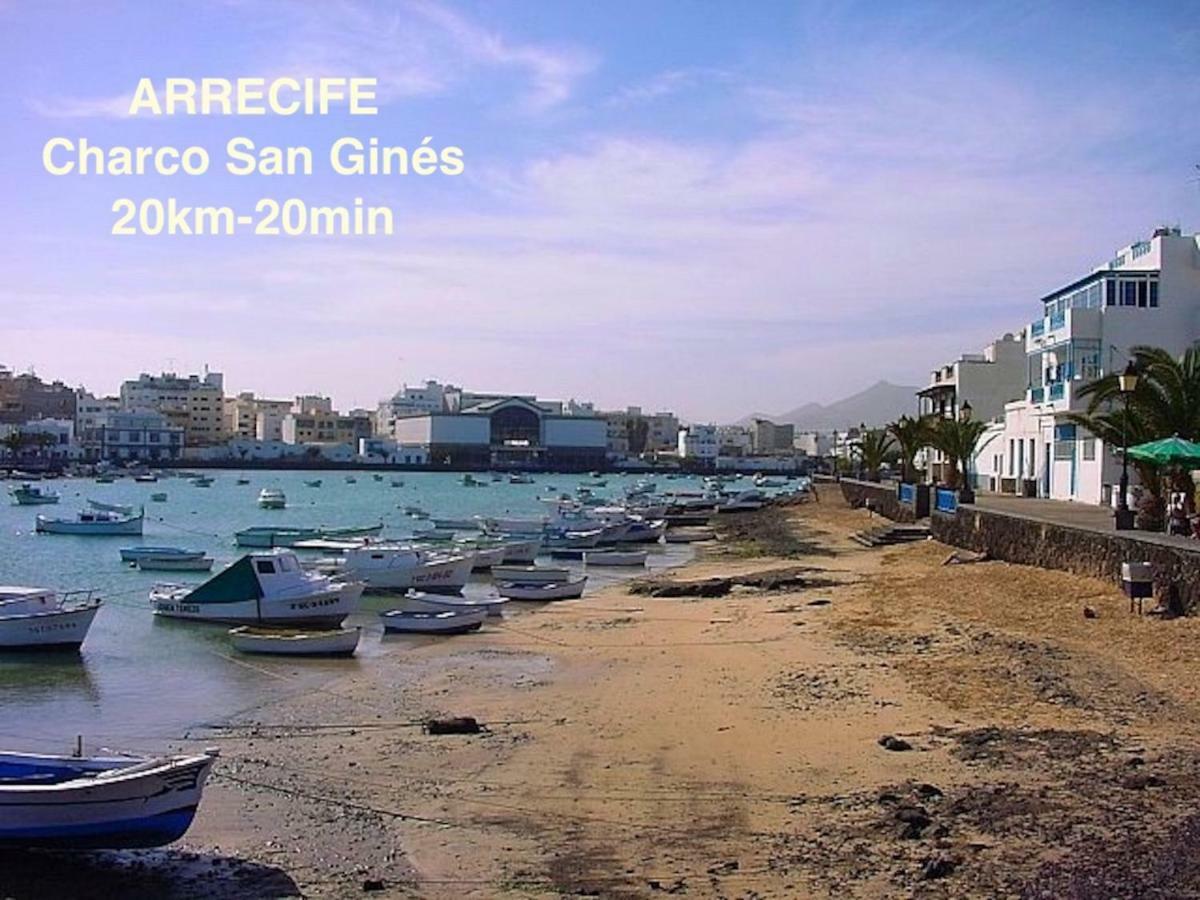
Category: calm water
<point>141,680</point>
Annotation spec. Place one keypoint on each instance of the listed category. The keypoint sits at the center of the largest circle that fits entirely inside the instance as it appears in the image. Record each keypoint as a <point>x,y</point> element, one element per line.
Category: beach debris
<point>1140,782</point>
<point>938,866</point>
<point>893,743</point>
<point>453,725</point>
<point>1089,612</point>
<point>965,557</point>
<point>786,579</point>
<point>820,601</point>
<point>676,887</point>
<point>370,885</point>
<point>913,821</point>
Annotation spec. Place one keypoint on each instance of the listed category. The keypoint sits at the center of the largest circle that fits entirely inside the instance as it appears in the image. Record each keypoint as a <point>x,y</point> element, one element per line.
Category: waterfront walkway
<point>1074,515</point>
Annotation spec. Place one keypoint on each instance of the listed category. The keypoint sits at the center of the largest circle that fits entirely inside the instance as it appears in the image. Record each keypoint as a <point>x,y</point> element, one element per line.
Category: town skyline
<point>791,200</point>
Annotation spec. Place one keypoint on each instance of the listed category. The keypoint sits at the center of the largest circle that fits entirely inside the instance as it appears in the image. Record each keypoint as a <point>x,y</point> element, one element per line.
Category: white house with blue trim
<point>1147,294</point>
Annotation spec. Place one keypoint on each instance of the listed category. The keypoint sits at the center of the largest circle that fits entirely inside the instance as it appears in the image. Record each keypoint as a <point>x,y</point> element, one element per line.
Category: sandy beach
<point>727,746</point>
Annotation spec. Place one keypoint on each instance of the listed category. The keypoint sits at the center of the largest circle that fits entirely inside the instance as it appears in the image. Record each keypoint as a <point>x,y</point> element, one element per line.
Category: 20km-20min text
<point>291,217</point>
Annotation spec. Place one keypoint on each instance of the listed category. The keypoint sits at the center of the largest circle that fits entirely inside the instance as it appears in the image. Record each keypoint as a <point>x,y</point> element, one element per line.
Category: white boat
<point>266,588</point>
<point>31,495</point>
<point>119,508</point>
<point>175,563</point>
<point>641,532</point>
<point>145,478</point>
<point>38,619</point>
<point>614,557</point>
<point>553,590</point>
<point>518,478</point>
<point>455,524</point>
<point>445,621</point>
<point>520,552</point>
<point>530,574</point>
<point>92,522</point>
<point>389,567</point>
<point>267,536</point>
<point>272,498</point>
<point>133,554</point>
<point>417,601</point>
<point>484,557</point>
<point>77,803</point>
<point>295,642</point>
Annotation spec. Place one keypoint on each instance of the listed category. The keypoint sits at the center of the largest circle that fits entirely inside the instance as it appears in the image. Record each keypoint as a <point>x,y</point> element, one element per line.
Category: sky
<point>709,207</point>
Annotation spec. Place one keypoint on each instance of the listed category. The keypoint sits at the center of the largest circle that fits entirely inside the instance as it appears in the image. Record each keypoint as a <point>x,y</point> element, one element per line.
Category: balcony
<point>1037,328</point>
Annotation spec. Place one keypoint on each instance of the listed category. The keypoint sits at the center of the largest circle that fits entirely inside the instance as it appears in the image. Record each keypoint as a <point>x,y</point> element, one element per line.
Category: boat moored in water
<point>261,589</point>
<point>174,563</point>
<point>133,554</point>
<point>76,803</point>
<point>272,498</point>
<point>38,619</point>
<point>268,536</point>
<point>32,495</point>
<point>92,522</point>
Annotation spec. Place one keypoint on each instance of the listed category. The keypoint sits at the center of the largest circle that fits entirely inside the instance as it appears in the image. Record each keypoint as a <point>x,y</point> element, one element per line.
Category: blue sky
<point>709,207</point>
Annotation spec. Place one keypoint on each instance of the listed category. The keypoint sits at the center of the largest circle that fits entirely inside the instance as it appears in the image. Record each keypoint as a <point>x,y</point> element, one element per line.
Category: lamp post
<point>1126,383</point>
<point>966,494</point>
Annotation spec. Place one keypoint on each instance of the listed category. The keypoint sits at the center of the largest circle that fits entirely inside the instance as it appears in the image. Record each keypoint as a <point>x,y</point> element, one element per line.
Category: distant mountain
<point>879,404</point>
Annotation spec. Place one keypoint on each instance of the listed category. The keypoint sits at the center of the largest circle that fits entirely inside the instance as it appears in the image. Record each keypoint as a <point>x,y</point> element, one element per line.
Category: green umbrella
<point>1168,451</point>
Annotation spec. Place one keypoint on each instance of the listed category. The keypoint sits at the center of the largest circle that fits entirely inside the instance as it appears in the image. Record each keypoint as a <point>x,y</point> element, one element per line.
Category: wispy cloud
<point>82,108</point>
<point>665,84</point>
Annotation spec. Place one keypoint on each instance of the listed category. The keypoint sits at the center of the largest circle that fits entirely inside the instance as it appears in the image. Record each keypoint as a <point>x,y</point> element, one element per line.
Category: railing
<point>1037,328</point>
<point>1057,390</point>
<point>908,493</point>
<point>1037,394</point>
<point>1058,320</point>
<point>947,500</point>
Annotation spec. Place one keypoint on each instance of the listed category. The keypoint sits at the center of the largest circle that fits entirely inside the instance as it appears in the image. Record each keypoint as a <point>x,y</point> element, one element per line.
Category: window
<point>1129,293</point>
<point>1110,292</point>
<point>1087,449</point>
<point>1141,294</point>
<point>1154,293</point>
<point>265,567</point>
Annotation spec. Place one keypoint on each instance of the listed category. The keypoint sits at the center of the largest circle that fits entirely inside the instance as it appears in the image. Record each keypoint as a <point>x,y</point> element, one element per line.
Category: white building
<point>142,435</point>
<point>987,381</point>
<point>387,450</point>
<point>1147,294</point>
<point>699,442</point>
<point>46,438</point>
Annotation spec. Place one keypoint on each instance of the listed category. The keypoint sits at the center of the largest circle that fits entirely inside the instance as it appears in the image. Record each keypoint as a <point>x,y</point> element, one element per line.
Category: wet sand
<point>640,746</point>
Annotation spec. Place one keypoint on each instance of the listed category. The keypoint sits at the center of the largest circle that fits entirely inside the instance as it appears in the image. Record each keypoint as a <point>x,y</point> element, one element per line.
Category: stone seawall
<point>1078,550</point>
<point>882,496</point>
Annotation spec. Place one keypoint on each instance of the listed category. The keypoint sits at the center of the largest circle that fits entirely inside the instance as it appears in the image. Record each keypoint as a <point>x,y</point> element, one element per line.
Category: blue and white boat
<point>92,522</point>
<point>133,554</point>
<point>31,495</point>
<point>76,803</point>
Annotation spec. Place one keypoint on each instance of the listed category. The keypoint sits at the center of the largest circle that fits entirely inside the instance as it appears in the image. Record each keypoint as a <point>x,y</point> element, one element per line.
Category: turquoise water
<point>140,680</point>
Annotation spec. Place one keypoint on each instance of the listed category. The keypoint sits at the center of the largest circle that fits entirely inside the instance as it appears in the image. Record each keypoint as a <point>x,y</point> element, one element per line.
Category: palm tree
<point>1165,402</point>
<point>874,447</point>
<point>958,439</point>
<point>13,442</point>
<point>911,435</point>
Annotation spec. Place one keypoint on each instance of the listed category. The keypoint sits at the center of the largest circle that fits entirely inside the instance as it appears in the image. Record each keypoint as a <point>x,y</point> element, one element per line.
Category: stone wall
<point>1078,550</point>
<point>882,496</point>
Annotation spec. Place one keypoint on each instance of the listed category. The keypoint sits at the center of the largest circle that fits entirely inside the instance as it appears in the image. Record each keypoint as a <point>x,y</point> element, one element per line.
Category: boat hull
<point>330,643</point>
<point>568,590</point>
<point>147,806</point>
<point>529,574</point>
<point>51,630</point>
<point>434,622</point>
<point>127,528</point>
<point>493,606</point>
<point>443,576</point>
<point>324,609</point>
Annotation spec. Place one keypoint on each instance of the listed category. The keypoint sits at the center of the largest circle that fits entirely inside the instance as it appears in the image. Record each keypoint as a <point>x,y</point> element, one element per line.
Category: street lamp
<point>1126,383</point>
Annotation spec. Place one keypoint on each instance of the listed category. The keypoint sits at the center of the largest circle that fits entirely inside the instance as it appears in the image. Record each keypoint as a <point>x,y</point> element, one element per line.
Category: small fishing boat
<point>530,574</point>
<point>397,482</point>
<point>90,803</point>
<point>417,601</point>
<point>377,477</point>
<point>446,621</point>
<point>92,522</point>
<point>295,642</point>
<point>385,567</point>
<point>38,619</point>
<point>350,479</point>
<point>614,557</point>
<point>484,557</point>
<point>261,589</point>
<point>31,495</point>
<point>315,483</point>
<point>105,479</point>
<point>553,590</point>
<point>145,478</point>
<point>272,498</point>
<point>202,481</point>
<point>119,508</point>
<point>159,498</point>
<point>267,536</point>
<point>689,535</point>
<point>243,481</point>
<point>455,524</point>
<point>469,480</point>
<point>133,554</point>
<point>641,532</point>
<point>518,478</point>
<point>520,552</point>
<point>175,563</point>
